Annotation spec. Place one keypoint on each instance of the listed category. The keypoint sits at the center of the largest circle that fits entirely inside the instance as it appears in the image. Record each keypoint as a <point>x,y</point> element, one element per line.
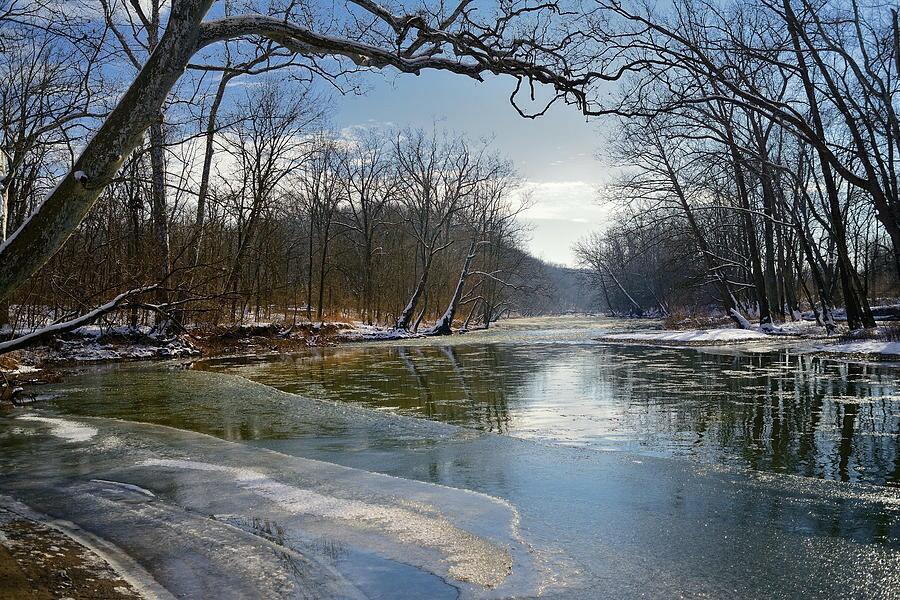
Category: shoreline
<point>883,345</point>
<point>40,558</point>
<point>90,345</point>
<point>48,362</point>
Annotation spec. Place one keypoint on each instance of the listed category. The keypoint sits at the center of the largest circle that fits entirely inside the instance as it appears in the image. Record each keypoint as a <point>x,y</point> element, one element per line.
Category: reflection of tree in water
<point>777,411</point>
<point>486,396</point>
<point>452,390</point>
<point>499,410</point>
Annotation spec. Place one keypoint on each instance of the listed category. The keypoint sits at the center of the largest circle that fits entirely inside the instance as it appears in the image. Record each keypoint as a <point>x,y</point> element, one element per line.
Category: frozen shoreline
<point>93,344</point>
<point>458,540</point>
<point>689,336</point>
<point>801,338</point>
<point>866,347</point>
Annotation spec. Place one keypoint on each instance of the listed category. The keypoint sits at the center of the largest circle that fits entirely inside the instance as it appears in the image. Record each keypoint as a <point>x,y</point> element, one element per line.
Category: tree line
<point>759,143</point>
<point>238,202</point>
<point>183,144</point>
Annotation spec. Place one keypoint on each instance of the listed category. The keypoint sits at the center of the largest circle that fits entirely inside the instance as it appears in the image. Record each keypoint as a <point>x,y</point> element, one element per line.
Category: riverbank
<point>109,344</point>
<point>39,562</point>
<point>880,343</point>
<point>114,343</point>
<point>642,472</point>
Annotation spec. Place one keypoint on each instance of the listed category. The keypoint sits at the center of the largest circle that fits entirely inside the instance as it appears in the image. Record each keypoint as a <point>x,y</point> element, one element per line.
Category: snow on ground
<point>797,328</point>
<point>691,336</point>
<point>863,347</point>
<point>91,350</point>
<point>21,370</point>
<point>799,331</point>
<point>360,332</point>
<point>881,312</point>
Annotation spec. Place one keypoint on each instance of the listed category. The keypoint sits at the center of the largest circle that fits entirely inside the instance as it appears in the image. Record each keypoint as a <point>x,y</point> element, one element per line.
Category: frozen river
<point>523,461</point>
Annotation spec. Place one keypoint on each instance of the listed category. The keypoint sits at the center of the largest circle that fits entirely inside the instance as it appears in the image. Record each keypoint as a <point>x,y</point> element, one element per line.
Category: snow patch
<point>689,336</point>
<point>71,431</point>
<point>863,347</point>
<point>22,370</point>
<point>745,324</point>
<point>360,332</point>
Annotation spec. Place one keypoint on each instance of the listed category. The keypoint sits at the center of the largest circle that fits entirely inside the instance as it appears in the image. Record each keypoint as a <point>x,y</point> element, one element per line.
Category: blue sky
<point>554,154</point>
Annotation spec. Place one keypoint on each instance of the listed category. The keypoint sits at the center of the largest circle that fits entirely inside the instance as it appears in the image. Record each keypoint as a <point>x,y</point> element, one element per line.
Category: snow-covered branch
<point>87,318</point>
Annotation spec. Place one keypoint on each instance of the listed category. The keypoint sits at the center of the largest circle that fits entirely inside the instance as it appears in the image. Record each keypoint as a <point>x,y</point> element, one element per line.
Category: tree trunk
<point>48,228</point>
<point>422,312</point>
<point>309,270</point>
<point>233,280</point>
<point>720,278</point>
<point>134,242</point>
<point>603,287</point>
<point>322,264</point>
<point>5,179</point>
<point>405,318</point>
<point>203,192</point>
<point>468,320</point>
<point>636,308</point>
<point>765,314</point>
<point>770,273</point>
<point>444,326</point>
<point>367,283</point>
<point>160,213</point>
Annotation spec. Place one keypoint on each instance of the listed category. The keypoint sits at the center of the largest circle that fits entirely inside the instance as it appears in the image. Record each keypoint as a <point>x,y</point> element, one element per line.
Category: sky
<point>555,155</point>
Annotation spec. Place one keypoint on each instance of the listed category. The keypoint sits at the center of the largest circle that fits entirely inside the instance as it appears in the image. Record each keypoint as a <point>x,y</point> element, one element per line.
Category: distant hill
<point>555,289</point>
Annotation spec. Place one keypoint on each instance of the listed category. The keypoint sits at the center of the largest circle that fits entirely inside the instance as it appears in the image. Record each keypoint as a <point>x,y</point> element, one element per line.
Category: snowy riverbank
<point>688,337</point>
<point>880,343</point>
<point>118,343</point>
<point>886,349</point>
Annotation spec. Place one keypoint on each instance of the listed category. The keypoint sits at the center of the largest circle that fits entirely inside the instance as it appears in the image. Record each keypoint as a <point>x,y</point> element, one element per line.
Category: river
<point>528,460</point>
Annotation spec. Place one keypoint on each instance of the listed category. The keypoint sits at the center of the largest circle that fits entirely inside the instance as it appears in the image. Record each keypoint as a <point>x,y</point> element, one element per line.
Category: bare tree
<point>321,191</point>
<point>439,175</point>
<point>267,142</point>
<point>455,40</point>
<point>371,182</point>
<point>484,219</point>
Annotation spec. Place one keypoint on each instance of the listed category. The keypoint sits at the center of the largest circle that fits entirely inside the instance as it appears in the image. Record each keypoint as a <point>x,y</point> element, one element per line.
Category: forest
<point>754,144</point>
<point>758,152</point>
<point>242,202</point>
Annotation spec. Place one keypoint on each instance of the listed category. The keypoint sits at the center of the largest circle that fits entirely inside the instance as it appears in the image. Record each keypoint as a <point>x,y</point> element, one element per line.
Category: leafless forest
<point>175,164</point>
<point>759,146</point>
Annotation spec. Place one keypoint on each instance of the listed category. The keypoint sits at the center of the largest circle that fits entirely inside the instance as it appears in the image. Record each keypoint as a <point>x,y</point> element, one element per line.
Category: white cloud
<point>574,201</point>
<point>561,213</point>
<point>356,130</point>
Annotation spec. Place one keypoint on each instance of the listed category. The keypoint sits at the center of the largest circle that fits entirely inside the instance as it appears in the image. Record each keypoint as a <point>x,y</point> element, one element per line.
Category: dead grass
<point>10,361</point>
<point>683,319</point>
<point>882,333</point>
<point>38,563</point>
<point>890,333</point>
<point>253,339</point>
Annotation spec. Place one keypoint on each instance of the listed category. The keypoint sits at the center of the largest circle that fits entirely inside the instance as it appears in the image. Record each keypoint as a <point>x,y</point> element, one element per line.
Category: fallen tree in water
<point>45,333</point>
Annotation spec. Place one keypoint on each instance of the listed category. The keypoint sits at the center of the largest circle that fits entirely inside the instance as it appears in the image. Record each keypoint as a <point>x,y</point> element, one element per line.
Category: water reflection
<point>777,411</point>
